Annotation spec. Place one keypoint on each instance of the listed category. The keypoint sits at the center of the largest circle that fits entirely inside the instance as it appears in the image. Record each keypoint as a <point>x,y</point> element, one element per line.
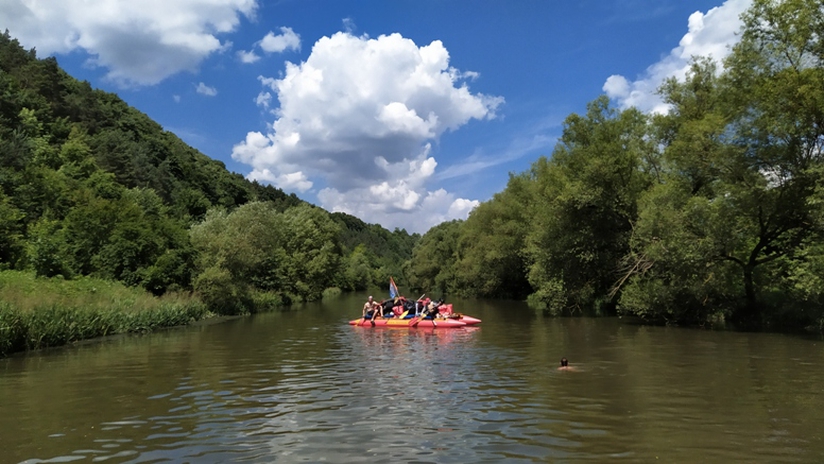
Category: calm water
<point>304,387</point>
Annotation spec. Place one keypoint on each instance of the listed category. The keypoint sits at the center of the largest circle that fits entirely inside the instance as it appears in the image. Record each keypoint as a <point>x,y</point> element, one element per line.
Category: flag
<point>393,289</point>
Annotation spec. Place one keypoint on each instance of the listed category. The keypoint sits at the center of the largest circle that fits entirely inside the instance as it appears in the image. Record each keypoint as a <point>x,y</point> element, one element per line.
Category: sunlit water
<point>303,386</point>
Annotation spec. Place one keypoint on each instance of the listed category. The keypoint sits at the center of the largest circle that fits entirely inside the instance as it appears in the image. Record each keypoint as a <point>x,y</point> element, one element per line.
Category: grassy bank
<point>38,312</point>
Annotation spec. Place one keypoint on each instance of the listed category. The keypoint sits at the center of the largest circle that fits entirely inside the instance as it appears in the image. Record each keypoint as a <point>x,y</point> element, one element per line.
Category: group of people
<point>398,306</point>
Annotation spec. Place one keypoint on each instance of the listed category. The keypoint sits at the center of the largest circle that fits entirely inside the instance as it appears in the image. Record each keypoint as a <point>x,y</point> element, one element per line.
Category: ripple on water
<point>342,394</point>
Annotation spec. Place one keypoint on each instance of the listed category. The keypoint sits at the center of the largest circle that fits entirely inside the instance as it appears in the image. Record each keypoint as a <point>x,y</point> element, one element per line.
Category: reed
<point>37,312</point>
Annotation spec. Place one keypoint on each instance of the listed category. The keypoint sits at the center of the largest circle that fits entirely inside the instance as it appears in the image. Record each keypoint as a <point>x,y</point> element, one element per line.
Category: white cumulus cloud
<point>138,42</point>
<point>709,34</point>
<point>248,57</point>
<point>272,43</point>
<point>278,43</point>
<point>360,114</point>
<point>204,89</point>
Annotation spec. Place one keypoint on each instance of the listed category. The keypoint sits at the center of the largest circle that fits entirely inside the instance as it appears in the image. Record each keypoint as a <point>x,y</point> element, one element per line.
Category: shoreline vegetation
<point>39,312</point>
<point>46,312</point>
<point>710,215</point>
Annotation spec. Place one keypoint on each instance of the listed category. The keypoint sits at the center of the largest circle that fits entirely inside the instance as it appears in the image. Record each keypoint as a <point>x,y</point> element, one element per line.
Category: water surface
<point>303,386</point>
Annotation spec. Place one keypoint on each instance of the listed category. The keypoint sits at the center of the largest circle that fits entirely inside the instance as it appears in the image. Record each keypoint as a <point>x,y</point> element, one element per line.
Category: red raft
<point>450,320</point>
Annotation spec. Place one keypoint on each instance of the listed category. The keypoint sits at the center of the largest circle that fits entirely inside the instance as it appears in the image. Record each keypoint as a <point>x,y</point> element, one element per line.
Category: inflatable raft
<point>450,320</point>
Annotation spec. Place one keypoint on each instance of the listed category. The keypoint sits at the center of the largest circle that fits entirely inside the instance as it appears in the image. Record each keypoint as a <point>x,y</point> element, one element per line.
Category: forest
<point>710,215</point>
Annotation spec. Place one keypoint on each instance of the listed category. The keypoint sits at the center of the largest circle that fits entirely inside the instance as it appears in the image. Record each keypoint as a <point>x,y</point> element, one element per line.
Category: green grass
<point>38,312</point>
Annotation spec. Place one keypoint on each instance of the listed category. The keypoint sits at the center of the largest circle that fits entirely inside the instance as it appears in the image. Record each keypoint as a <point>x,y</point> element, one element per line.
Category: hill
<point>90,186</point>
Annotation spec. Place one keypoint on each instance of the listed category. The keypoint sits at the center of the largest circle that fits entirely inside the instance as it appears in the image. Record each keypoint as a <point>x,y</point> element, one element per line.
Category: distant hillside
<point>92,186</point>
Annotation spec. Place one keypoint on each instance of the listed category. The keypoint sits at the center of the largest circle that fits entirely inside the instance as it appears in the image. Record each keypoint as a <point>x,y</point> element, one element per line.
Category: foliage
<point>373,253</point>
<point>745,151</point>
<point>709,214</point>
<point>37,312</point>
<point>294,253</point>
<point>92,187</point>
<point>433,264</point>
<point>586,202</point>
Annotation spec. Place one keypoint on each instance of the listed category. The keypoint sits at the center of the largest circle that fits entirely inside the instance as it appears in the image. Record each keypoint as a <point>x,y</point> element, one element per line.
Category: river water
<point>302,386</point>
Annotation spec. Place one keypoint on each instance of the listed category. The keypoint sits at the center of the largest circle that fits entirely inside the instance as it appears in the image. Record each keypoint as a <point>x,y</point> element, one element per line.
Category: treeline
<point>710,214</point>
<point>92,187</point>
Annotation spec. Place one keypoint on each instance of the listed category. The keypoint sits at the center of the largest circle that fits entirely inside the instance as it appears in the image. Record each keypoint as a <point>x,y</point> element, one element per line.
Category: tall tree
<point>586,202</point>
<point>745,151</point>
<point>490,260</point>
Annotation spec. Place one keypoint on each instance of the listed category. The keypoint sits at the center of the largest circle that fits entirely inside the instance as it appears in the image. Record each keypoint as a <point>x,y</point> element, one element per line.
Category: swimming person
<point>565,365</point>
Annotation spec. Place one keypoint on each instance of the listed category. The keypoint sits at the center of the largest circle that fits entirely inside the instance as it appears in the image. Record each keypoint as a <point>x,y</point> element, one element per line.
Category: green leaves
<point>91,186</point>
<point>709,214</point>
<point>256,247</point>
<point>742,159</point>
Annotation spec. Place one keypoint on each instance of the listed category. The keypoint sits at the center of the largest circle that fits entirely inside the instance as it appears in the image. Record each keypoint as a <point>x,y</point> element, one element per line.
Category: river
<point>302,386</point>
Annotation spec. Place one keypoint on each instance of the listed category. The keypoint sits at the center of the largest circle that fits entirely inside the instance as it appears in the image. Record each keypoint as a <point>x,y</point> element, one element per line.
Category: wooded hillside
<point>92,186</point>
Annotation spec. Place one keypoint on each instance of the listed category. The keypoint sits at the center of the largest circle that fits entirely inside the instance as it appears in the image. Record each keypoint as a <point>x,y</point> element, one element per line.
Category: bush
<point>38,312</point>
<point>266,301</point>
<point>221,293</point>
<point>331,292</point>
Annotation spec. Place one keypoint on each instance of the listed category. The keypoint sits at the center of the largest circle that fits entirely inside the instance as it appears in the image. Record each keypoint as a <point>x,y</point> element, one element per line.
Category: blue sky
<point>404,113</point>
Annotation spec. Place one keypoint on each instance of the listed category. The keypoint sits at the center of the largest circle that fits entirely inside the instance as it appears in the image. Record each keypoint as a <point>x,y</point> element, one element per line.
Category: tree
<point>432,267</point>
<point>585,204</point>
<point>738,211</point>
<point>313,252</point>
<point>12,245</point>
<point>489,255</point>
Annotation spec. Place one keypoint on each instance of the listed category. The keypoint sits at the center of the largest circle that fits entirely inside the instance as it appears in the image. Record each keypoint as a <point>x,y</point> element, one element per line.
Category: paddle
<point>434,315</point>
<point>374,313</point>
<point>414,321</point>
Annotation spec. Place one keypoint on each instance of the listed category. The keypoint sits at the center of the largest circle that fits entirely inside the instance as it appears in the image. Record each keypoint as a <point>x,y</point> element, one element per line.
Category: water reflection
<point>294,387</point>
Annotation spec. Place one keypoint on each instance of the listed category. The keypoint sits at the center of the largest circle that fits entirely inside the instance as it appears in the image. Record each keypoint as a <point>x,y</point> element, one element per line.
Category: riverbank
<point>40,312</point>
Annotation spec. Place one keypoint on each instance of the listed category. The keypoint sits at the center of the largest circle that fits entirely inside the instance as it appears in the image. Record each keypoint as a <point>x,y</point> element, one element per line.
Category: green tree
<point>46,249</point>
<point>12,244</point>
<point>733,228</point>
<point>585,205</point>
<point>434,260</point>
<point>490,260</point>
<point>358,271</point>
<point>312,246</point>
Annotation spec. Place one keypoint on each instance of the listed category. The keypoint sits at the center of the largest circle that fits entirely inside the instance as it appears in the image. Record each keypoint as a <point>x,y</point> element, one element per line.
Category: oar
<point>362,322</point>
<point>374,313</point>
<point>435,324</point>
<point>414,321</point>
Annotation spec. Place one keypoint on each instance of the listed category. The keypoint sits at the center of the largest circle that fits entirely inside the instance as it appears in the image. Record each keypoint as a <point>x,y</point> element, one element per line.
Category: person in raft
<point>431,309</point>
<point>369,308</point>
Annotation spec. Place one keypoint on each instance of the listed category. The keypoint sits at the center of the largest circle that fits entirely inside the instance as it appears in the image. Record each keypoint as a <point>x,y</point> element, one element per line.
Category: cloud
<point>204,89</point>
<point>263,100</point>
<point>272,43</point>
<point>711,34</point>
<point>292,181</point>
<point>519,147</point>
<point>287,40</point>
<point>349,25</point>
<point>139,43</point>
<point>247,57</point>
<point>360,114</point>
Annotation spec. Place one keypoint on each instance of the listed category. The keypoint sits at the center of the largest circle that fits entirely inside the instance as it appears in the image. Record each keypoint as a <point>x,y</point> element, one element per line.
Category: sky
<point>403,113</point>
